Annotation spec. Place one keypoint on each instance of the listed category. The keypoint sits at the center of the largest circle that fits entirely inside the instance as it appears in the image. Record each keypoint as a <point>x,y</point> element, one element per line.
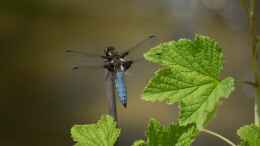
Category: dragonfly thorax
<point>114,61</point>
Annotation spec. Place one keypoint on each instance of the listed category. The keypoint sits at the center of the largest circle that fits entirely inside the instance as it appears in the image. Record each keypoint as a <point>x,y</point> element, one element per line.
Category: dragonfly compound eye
<point>110,50</point>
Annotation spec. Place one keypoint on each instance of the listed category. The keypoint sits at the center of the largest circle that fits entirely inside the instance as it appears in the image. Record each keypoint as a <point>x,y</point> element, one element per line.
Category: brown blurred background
<point>41,97</point>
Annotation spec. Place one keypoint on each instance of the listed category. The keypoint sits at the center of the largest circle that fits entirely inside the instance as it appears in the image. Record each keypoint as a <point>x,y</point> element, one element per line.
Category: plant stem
<point>219,136</point>
<point>110,93</point>
<point>255,68</point>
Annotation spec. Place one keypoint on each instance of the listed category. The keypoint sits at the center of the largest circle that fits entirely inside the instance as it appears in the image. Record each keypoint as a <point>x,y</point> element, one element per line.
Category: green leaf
<point>139,143</point>
<point>189,76</point>
<point>103,133</point>
<point>250,135</point>
<point>171,135</point>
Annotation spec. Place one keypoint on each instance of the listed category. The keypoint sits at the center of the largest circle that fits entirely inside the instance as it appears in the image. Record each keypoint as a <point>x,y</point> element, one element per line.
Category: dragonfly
<point>116,63</point>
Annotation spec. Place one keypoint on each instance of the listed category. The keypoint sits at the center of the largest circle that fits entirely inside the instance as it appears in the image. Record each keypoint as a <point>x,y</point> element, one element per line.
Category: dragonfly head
<point>115,61</point>
<point>109,51</point>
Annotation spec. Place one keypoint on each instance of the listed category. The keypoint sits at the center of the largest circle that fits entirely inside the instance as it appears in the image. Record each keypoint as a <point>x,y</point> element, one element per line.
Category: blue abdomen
<point>121,87</point>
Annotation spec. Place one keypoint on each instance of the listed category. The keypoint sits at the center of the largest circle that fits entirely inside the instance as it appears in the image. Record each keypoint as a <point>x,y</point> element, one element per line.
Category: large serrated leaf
<point>171,135</point>
<point>103,133</point>
<point>189,76</point>
<point>250,135</point>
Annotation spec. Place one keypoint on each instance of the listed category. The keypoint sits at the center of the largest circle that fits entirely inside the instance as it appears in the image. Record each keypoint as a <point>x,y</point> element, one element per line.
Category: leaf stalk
<point>255,66</point>
<point>218,136</point>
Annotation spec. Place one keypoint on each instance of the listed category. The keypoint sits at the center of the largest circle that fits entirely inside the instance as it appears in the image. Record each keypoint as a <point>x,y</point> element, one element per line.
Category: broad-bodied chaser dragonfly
<point>117,63</point>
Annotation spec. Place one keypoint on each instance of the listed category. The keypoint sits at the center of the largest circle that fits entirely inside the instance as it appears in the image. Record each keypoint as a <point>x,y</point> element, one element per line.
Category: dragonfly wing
<point>82,53</point>
<point>135,53</point>
<point>83,59</point>
<point>84,66</point>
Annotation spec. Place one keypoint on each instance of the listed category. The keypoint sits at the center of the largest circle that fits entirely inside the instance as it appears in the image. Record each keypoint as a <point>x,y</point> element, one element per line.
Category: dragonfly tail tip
<point>152,36</point>
<point>125,105</point>
<point>75,68</point>
<point>68,50</point>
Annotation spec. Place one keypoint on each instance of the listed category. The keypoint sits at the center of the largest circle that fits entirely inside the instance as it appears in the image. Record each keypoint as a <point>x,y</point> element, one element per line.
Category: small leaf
<point>189,76</point>
<point>250,135</point>
<point>103,133</point>
<point>139,143</point>
<point>171,135</point>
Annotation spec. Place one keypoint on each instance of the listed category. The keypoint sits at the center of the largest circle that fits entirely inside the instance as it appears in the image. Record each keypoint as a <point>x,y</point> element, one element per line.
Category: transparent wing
<point>82,53</point>
<point>87,72</point>
<point>83,60</point>
<point>136,76</point>
<point>84,66</point>
<point>135,53</point>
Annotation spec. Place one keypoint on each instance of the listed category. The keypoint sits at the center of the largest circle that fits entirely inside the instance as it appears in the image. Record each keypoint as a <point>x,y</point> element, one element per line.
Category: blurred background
<point>41,97</point>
